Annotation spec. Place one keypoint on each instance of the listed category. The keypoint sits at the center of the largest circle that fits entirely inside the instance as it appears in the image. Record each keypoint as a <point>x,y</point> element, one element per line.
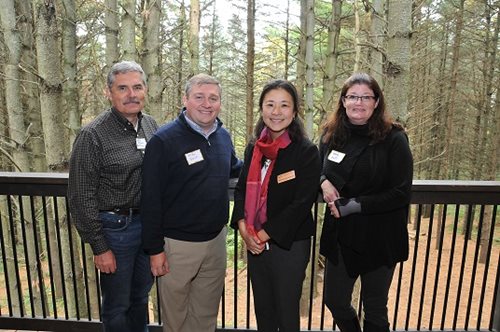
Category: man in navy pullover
<point>185,208</point>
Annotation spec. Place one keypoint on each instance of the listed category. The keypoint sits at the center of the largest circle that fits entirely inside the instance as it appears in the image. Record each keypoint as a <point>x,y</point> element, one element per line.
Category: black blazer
<point>381,180</point>
<point>289,202</point>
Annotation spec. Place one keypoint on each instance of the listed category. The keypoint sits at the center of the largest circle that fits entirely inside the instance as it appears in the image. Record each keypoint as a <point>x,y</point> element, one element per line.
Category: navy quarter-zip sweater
<point>183,201</point>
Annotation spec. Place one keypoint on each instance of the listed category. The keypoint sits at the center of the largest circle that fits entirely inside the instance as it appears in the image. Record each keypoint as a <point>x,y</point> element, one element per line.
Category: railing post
<point>496,316</point>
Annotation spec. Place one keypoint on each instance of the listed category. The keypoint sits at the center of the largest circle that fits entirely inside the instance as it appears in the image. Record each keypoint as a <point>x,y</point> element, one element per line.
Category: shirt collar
<point>197,128</point>
<point>123,120</point>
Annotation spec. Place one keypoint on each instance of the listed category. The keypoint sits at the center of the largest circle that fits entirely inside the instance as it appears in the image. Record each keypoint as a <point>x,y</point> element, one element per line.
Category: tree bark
<point>128,30</point>
<point>357,40</point>
<point>250,69</point>
<point>31,100</point>
<point>309,98</point>
<point>194,37</point>
<point>287,40</point>
<point>301,57</point>
<point>49,72</point>
<point>398,58</point>
<point>111,32</point>
<point>16,117</point>
<point>180,52</point>
<point>452,95</point>
<point>70,85</point>
<point>151,59</point>
<point>330,74</point>
<point>377,39</point>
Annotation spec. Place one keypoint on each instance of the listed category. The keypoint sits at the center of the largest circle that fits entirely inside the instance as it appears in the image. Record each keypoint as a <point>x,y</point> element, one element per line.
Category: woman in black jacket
<point>366,182</point>
<point>272,207</point>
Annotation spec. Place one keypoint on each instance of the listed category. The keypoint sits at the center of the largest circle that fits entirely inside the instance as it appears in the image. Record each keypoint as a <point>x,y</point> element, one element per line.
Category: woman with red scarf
<point>272,207</point>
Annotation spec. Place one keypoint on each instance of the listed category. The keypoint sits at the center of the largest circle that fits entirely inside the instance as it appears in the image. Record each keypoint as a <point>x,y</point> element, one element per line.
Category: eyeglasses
<point>353,98</point>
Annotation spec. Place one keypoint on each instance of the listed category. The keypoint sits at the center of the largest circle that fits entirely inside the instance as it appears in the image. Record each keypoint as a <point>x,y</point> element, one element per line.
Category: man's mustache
<point>132,101</point>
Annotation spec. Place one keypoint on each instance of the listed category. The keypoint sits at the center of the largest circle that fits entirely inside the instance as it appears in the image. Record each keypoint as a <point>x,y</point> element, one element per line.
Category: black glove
<point>347,206</point>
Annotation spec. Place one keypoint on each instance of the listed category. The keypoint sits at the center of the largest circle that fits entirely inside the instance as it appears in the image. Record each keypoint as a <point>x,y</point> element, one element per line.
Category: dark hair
<point>296,128</point>
<point>335,132</point>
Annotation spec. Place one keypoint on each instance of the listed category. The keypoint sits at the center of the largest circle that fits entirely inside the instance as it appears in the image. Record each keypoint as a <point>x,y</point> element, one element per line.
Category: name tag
<point>336,156</point>
<point>140,143</point>
<point>286,176</point>
<point>194,157</point>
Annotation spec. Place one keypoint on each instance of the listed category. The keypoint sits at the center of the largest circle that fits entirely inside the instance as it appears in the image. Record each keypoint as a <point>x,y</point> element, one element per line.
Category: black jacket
<point>288,203</point>
<point>380,177</point>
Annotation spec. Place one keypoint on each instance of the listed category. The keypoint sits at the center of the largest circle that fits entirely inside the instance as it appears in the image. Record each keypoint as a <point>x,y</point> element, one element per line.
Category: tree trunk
<point>31,101</point>
<point>301,57</point>
<point>451,98</point>
<point>17,127</point>
<point>377,39</point>
<point>490,129</point>
<point>330,73</point>
<point>357,41</point>
<point>439,131</point>
<point>111,32</point>
<point>194,37</point>
<point>398,58</point>
<point>309,98</point>
<point>70,85</point>
<point>180,59</point>
<point>211,40</point>
<point>287,40</point>
<point>151,61</point>
<point>49,71</point>
<point>250,69</point>
<point>128,33</point>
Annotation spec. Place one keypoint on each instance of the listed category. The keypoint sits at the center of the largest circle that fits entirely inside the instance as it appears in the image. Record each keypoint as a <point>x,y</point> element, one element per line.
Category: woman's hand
<point>252,242</point>
<point>330,194</point>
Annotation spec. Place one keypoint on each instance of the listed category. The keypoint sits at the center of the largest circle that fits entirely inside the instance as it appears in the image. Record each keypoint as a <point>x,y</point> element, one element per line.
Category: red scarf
<point>256,191</point>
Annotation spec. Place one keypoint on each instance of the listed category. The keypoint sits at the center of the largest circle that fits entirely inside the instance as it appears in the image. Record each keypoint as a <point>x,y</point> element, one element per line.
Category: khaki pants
<point>190,293</point>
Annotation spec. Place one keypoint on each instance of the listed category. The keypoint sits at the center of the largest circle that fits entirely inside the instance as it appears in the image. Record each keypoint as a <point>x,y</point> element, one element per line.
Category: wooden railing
<point>451,281</point>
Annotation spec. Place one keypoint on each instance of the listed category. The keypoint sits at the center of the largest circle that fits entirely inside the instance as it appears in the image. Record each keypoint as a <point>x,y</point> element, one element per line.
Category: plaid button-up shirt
<point>105,171</point>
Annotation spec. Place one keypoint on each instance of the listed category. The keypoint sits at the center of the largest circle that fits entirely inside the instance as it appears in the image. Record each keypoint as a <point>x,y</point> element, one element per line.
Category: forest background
<point>437,62</point>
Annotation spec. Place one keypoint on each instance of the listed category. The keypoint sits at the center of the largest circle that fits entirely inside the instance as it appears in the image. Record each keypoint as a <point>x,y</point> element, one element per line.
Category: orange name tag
<point>286,176</point>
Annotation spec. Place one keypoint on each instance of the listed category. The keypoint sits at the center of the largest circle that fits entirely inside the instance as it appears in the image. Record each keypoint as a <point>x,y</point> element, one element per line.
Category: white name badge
<point>140,143</point>
<point>194,157</point>
<point>336,156</point>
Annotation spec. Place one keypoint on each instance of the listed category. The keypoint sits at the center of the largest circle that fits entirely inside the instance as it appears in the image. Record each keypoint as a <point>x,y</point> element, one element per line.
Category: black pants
<point>374,293</point>
<point>277,276</point>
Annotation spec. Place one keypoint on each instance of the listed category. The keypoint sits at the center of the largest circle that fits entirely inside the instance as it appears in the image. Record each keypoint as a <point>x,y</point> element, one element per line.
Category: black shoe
<point>348,325</point>
<point>370,327</point>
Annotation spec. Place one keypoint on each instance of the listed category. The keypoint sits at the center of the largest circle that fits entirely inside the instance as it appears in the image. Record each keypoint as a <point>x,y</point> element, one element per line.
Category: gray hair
<point>125,67</point>
<point>201,79</point>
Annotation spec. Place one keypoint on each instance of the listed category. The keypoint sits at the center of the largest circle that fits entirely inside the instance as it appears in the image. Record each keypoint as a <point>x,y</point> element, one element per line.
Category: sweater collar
<point>194,126</point>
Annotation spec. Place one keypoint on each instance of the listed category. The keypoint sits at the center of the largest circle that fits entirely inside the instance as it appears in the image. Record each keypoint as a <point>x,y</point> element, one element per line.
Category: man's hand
<point>159,264</point>
<point>105,262</point>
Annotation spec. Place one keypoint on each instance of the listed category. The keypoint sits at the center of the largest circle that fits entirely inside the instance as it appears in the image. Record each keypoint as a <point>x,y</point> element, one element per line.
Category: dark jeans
<point>125,292</point>
<point>277,276</point>
<point>374,292</point>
